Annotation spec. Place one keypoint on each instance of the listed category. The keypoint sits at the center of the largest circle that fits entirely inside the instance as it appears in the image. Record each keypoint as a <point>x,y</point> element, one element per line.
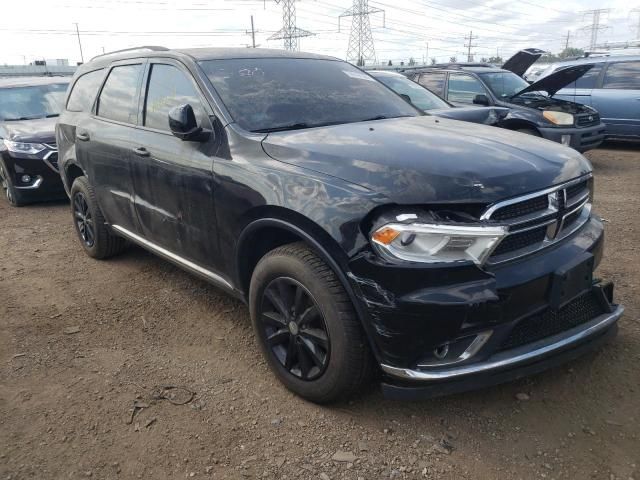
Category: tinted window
<point>37,101</point>
<point>623,75</point>
<point>285,93</point>
<point>118,99</point>
<point>168,88</point>
<point>417,94</point>
<point>504,84</point>
<point>84,92</point>
<point>463,88</point>
<point>433,81</point>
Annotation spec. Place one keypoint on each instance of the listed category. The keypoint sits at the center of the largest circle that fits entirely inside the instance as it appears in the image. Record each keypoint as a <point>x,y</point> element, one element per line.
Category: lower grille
<point>551,322</point>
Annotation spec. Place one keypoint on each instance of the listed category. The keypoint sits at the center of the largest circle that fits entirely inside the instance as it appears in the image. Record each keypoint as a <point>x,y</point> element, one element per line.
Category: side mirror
<point>183,124</point>
<point>481,99</point>
<point>406,98</point>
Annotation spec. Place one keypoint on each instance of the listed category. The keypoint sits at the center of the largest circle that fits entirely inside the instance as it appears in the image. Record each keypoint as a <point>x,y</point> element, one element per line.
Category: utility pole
<point>360,47</point>
<point>566,43</point>
<point>469,46</point>
<point>79,42</point>
<point>595,27</point>
<point>427,51</point>
<point>289,32</point>
<point>253,34</point>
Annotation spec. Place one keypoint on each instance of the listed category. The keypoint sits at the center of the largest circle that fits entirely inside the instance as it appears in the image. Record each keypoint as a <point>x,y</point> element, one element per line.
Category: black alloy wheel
<point>294,328</point>
<point>84,219</point>
<point>7,186</point>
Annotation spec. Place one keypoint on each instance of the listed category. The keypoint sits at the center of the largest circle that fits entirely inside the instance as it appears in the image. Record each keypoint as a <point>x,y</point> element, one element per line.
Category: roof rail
<point>153,48</point>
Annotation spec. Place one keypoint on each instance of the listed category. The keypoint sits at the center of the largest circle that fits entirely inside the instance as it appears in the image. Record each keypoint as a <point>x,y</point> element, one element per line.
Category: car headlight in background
<point>27,148</point>
<point>558,118</point>
<point>432,243</point>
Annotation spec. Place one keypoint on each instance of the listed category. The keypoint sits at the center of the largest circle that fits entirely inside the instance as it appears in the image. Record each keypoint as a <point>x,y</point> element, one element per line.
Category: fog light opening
<point>441,352</point>
<point>26,178</point>
<point>565,139</point>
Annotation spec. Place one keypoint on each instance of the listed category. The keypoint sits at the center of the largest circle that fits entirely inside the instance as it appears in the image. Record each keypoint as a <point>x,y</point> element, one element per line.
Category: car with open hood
<point>532,107</point>
<point>363,235</point>
<point>611,86</point>
<point>29,107</point>
<point>429,102</point>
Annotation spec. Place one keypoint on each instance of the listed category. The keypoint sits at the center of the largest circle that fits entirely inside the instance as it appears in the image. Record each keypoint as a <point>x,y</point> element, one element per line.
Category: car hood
<point>522,60</point>
<point>426,159</point>
<point>40,130</point>
<point>557,80</point>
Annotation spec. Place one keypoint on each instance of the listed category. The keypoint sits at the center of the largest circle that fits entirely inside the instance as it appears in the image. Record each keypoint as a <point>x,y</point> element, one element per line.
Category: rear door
<point>108,136</point>
<point>618,101</point>
<point>173,179</point>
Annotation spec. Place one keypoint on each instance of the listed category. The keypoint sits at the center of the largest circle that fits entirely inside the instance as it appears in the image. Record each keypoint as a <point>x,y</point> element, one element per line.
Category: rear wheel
<point>94,234</point>
<point>12,195</point>
<point>307,327</point>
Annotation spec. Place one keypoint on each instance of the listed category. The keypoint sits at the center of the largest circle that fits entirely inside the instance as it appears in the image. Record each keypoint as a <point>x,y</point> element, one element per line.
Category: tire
<point>340,361</point>
<point>12,195</point>
<point>529,131</point>
<point>95,236</point>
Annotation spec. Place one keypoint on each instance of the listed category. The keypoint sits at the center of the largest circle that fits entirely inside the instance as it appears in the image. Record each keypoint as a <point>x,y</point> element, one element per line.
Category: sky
<point>418,29</point>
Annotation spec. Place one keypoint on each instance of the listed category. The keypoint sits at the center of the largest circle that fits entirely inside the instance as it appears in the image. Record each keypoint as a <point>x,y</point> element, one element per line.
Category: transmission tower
<point>637,12</point>
<point>289,32</point>
<point>595,26</point>
<point>361,46</point>
<point>469,46</point>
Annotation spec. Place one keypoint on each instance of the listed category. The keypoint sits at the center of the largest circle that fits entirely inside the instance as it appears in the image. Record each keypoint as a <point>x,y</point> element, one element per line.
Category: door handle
<point>83,137</point>
<point>141,152</point>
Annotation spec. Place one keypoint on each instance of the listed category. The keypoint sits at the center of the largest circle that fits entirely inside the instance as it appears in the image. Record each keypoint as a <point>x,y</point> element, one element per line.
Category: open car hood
<point>522,60</point>
<point>557,80</point>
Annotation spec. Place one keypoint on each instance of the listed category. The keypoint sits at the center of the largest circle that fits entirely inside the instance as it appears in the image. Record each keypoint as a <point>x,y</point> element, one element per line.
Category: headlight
<point>19,147</point>
<point>419,242</point>
<point>558,118</point>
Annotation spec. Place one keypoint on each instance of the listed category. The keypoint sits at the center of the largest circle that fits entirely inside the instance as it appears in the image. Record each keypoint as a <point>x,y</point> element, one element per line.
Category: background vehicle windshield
<point>419,96</point>
<point>26,103</point>
<point>265,94</point>
<point>504,84</point>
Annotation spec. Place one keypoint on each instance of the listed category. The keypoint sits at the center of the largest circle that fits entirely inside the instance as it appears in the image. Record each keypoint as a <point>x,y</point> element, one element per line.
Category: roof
<point>384,73</point>
<point>196,54</point>
<point>597,59</point>
<point>12,82</point>
<point>456,68</point>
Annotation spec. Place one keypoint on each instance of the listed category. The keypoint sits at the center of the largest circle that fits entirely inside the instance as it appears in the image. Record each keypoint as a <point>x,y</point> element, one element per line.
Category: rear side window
<point>118,99</point>
<point>84,91</point>
<point>168,88</point>
<point>433,81</point>
<point>588,80</point>
<point>623,75</point>
<point>463,88</point>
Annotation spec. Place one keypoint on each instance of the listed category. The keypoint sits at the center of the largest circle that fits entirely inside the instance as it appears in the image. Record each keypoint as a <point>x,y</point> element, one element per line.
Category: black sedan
<point>431,103</point>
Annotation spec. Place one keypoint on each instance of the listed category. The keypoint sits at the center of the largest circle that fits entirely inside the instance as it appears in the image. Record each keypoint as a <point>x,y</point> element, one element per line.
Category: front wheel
<point>307,327</point>
<point>10,192</point>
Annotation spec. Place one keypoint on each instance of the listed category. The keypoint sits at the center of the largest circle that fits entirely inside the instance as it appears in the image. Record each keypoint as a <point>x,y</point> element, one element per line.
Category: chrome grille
<point>540,219</point>
<point>51,156</point>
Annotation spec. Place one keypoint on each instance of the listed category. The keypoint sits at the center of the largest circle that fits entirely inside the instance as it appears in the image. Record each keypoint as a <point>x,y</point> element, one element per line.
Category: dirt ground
<point>82,340</point>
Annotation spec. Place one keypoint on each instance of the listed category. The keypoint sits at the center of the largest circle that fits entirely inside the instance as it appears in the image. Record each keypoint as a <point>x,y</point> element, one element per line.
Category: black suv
<point>572,124</point>
<point>28,154</point>
<point>364,235</point>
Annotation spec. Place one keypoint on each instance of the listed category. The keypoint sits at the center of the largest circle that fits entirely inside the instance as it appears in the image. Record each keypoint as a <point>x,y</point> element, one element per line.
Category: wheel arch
<point>72,171</point>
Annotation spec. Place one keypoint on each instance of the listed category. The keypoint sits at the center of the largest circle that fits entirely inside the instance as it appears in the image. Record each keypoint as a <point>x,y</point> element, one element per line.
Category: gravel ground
<point>82,342</point>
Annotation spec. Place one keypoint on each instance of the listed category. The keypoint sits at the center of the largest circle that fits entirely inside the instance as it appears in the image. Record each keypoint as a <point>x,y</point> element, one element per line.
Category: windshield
<point>504,84</point>
<point>270,94</point>
<point>27,103</point>
<point>418,95</point>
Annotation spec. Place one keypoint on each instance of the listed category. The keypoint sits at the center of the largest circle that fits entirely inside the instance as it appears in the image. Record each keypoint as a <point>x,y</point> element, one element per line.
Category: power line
<point>361,46</point>
<point>289,32</point>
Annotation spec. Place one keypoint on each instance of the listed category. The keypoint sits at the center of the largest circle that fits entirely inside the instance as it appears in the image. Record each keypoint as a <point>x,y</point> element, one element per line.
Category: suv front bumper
<point>497,322</point>
<point>580,139</point>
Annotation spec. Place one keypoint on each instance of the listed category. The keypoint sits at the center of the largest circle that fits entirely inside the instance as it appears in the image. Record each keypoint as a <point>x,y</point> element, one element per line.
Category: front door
<point>173,179</point>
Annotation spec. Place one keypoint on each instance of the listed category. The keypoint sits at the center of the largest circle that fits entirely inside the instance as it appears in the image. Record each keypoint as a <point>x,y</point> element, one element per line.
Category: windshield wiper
<point>383,117</point>
<point>20,118</point>
<point>51,115</point>
<point>281,128</point>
